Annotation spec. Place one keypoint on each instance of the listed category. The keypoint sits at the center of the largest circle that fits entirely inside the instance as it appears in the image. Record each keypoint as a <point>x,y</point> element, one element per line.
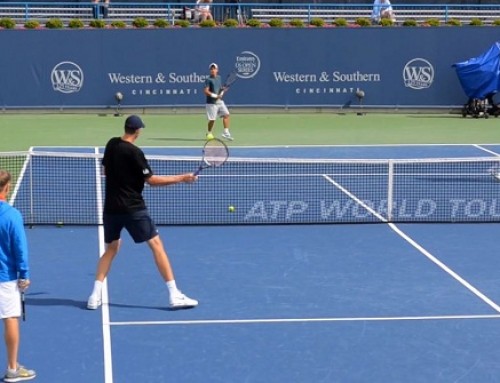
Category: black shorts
<point>139,225</point>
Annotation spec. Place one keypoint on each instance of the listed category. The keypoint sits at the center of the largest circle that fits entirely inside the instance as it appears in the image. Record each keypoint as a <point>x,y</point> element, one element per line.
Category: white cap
<point>213,65</point>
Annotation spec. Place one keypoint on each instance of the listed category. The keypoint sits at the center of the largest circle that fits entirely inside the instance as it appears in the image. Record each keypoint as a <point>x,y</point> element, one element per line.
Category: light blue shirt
<point>13,245</point>
<point>380,6</point>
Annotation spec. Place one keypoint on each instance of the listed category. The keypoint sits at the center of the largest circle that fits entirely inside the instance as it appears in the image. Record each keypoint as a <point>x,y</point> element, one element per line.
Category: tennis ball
<point>231,209</point>
<point>210,136</point>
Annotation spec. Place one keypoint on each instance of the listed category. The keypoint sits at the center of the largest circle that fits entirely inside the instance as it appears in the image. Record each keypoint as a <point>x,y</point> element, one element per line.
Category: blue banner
<point>287,67</point>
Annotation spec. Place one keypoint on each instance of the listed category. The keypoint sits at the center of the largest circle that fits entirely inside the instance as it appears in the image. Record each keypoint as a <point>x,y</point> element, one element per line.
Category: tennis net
<point>51,188</point>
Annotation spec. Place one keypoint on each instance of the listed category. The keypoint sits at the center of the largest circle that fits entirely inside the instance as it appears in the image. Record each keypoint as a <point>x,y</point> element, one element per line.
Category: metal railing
<point>42,11</point>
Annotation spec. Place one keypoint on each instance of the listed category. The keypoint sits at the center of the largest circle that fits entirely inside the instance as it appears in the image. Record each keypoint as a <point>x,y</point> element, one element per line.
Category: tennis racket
<point>230,79</point>
<point>23,306</point>
<point>215,153</point>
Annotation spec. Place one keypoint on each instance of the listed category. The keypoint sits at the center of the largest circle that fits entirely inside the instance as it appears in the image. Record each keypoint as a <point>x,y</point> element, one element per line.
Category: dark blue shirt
<point>214,85</point>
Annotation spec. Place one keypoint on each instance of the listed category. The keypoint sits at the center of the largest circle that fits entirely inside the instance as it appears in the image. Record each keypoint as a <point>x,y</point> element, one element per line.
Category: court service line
<point>20,179</point>
<point>487,150</point>
<point>353,197</point>
<point>106,329</point>
<point>303,320</point>
<point>420,248</point>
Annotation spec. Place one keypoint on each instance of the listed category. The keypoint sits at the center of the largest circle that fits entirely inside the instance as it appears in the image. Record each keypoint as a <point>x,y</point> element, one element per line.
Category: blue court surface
<point>346,303</point>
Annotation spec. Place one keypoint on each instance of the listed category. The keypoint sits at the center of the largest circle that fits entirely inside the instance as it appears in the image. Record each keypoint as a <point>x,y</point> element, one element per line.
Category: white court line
<point>487,150</point>
<point>302,320</point>
<point>106,329</point>
<point>353,197</point>
<point>420,248</point>
<point>19,181</point>
<point>290,146</point>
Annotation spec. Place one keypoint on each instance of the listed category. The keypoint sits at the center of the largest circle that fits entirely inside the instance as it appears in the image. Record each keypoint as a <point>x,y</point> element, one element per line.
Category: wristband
<point>214,95</point>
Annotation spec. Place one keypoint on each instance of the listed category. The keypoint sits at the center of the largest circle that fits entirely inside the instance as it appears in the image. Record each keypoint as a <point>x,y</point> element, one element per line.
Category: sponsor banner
<point>340,67</point>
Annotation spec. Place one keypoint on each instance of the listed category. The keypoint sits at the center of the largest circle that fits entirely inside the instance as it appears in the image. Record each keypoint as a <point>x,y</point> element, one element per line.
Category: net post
<point>31,202</point>
<point>98,183</point>
<point>390,189</point>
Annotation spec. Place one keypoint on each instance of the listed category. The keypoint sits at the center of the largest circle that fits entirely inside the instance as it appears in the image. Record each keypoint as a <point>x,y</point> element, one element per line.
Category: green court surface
<point>23,130</point>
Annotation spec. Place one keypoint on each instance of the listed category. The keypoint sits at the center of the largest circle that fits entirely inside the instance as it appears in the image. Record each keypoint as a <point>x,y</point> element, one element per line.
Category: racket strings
<point>215,153</point>
<point>231,78</point>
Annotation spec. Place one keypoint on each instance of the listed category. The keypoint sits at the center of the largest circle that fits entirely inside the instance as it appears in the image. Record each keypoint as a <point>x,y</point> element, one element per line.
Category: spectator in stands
<point>231,11</point>
<point>100,9</point>
<point>202,10</point>
<point>382,9</point>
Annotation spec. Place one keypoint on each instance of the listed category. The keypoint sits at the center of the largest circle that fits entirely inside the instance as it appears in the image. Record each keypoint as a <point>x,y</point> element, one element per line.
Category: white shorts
<point>10,300</point>
<point>219,109</point>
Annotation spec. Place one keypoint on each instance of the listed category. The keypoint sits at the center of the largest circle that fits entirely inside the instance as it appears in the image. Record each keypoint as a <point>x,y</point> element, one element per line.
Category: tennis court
<point>300,300</point>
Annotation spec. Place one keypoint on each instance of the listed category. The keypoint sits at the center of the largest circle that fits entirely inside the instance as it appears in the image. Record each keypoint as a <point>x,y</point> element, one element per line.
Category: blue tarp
<point>480,76</point>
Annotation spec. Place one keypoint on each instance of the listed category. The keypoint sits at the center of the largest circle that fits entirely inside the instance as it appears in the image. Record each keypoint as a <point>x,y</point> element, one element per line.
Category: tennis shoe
<point>94,302</point>
<point>20,375</point>
<point>227,136</point>
<point>181,301</point>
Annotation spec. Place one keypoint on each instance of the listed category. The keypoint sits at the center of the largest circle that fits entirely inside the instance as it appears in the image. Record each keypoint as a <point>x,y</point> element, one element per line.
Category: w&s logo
<point>67,77</point>
<point>418,74</point>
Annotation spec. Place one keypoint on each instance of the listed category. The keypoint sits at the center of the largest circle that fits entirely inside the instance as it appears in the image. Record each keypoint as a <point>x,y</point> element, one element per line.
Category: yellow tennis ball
<point>210,136</point>
<point>231,209</point>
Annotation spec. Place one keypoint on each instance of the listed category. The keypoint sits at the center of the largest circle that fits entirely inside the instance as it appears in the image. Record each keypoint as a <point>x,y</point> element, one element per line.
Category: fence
<point>42,11</point>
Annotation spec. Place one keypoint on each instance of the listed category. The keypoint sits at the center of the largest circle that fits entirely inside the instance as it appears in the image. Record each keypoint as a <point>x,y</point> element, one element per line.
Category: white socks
<point>97,289</point>
<point>172,288</point>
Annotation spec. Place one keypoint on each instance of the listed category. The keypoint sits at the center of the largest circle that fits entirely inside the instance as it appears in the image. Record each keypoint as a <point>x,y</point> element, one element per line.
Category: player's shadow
<point>32,300</point>
<point>176,139</point>
<point>451,115</point>
<point>162,308</point>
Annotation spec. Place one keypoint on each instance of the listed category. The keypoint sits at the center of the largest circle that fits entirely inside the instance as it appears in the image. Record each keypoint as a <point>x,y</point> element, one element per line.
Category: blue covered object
<point>480,76</point>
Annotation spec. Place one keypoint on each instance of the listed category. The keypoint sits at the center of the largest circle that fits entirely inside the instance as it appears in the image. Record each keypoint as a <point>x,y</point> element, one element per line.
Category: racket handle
<point>197,172</point>
<point>23,306</point>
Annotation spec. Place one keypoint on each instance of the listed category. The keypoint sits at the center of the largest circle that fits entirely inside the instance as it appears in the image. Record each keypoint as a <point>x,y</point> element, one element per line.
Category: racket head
<point>230,79</point>
<point>215,153</point>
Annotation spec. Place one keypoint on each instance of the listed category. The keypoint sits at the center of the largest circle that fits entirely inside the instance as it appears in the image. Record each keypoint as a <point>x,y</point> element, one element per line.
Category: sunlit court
<point>336,263</point>
<point>250,192</point>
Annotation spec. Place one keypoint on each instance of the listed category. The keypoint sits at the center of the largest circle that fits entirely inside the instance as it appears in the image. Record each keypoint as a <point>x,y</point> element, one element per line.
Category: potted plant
<point>254,23</point>
<point>276,23</point>
<point>317,22</point>
<point>7,23</point>
<point>75,24</point>
<point>363,22</point>
<point>340,22</point>
<point>298,23</point>
<point>97,23</point>
<point>140,22</point>
<point>32,24</point>
<point>161,23</point>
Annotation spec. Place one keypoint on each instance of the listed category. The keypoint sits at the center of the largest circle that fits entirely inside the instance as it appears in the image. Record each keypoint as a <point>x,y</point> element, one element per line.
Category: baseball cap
<point>213,65</point>
<point>134,122</point>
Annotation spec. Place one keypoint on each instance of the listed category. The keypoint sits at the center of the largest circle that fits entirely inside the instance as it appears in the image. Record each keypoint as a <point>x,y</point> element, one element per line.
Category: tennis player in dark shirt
<point>126,170</point>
